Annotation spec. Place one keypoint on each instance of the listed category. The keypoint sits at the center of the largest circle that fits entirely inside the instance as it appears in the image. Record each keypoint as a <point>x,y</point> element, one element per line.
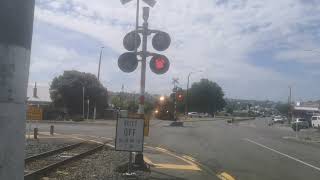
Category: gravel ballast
<point>34,146</point>
<point>99,166</point>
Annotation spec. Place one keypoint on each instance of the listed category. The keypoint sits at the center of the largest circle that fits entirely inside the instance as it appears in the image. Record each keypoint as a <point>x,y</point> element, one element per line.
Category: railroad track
<point>39,165</point>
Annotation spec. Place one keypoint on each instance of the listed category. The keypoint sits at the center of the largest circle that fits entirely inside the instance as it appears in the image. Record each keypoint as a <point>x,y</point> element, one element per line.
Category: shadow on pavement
<point>163,176</point>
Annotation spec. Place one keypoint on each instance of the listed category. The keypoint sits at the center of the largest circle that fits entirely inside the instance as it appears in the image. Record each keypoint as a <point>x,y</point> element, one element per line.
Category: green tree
<point>206,96</point>
<point>229,109</point>
<point>283,108</point>
<point>133,106</point>
<point>66,91</point>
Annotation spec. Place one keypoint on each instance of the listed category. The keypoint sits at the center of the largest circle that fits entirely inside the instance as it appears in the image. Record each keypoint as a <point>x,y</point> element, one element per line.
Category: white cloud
<point>207,35</point>
<point>300,55</point>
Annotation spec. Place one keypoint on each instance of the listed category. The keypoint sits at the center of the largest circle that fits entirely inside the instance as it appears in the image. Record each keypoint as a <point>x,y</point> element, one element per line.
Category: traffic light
<point>159,64</point>
<point>128,62</point>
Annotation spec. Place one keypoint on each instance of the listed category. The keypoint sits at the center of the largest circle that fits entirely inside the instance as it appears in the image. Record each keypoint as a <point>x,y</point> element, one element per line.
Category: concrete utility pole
<point>16,19</point>
<point>95,104</point>
<point>88,111</point>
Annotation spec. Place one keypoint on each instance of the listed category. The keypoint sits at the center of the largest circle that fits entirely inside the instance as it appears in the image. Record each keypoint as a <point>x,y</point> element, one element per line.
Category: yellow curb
<point>225,176</point>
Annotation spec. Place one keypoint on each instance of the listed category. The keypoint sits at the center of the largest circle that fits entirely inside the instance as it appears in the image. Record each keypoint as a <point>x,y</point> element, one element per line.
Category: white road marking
<point>283,154</point>
<point>98,142</point>
<point>110,145</point>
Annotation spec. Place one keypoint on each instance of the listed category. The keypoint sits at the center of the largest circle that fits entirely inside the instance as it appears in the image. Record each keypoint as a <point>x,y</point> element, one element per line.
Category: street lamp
<point>95,104</point>
<point>162,98</point>
<point>187,94</point>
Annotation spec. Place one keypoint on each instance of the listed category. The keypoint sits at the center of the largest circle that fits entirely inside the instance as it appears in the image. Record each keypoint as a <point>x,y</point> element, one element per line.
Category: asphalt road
<point>247,150</point>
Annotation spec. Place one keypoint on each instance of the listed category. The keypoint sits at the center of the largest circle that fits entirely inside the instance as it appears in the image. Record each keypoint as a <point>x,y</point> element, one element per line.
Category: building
<point>305,110</point>
<point>34,98</point>
<point>36,103</point>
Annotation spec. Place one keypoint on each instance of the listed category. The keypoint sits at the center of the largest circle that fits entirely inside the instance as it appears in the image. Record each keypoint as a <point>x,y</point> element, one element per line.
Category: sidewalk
<point>306,135</point>
<point>168,165</point>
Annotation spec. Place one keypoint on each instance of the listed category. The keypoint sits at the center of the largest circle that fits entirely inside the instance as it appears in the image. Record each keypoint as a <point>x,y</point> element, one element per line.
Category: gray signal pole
<point>16,19</point>
<point>143,59</point>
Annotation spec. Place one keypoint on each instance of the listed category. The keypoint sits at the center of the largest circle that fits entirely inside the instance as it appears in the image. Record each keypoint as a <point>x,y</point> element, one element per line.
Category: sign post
<point>34,113</point>
<point>129,137</point>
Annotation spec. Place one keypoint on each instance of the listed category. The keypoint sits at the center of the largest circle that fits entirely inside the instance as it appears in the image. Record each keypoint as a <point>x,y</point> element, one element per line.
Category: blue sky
<point>253,49</point>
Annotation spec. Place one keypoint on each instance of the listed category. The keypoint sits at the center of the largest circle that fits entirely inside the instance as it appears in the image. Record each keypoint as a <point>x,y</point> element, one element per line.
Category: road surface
<point>248,150</point>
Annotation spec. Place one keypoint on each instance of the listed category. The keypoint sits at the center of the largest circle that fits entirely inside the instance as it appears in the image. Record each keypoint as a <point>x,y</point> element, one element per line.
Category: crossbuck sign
<point>129,135</point>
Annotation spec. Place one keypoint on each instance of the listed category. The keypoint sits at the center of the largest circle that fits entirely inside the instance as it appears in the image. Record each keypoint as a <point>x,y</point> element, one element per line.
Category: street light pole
<point>95,104</point>
<point>83,102</point>
<point>290,104</point>
<point>16,19</point>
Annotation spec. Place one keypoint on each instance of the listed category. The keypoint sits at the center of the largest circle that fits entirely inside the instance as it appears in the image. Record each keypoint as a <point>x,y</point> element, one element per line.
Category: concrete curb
<point>238,119</point>
<point>108,122</point>
<point>301,139</point>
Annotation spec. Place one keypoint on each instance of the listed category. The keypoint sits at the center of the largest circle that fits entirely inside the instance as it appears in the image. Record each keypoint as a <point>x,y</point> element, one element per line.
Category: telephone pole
<point>16,19</point>
<point>99,67</point>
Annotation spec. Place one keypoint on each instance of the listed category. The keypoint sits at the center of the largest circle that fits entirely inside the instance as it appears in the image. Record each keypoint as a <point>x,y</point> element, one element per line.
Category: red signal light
<point>179,96</point>
<point>159,64</point>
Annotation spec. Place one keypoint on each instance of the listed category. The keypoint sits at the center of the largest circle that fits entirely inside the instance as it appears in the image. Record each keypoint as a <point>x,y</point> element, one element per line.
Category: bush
<point>77,118</point>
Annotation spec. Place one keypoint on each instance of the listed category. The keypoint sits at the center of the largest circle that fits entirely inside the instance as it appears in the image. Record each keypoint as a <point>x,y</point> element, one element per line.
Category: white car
<point>315,121</point>
<point>194,114</point>
<point>278,119</point>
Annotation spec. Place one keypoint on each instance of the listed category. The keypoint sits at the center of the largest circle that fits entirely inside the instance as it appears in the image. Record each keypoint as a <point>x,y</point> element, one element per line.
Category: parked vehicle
<point>300,123</point>
<point>204,115</point>
<point>315,121</point>
<point>194,114</point>
<point>278,119</point>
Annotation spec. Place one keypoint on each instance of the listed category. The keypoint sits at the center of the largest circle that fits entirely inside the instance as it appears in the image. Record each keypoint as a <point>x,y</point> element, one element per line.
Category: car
<point>315,121</point>
<point>194,114</point>
<point>300,123</point>
<point>204,115</point>
<point>278,119</point>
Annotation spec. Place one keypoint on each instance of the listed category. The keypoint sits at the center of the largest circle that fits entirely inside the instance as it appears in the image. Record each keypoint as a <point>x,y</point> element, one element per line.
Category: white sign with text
<point>129,135</point>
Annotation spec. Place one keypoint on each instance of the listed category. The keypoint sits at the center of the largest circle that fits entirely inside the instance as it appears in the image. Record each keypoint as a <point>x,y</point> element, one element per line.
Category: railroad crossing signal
<point>179,96</point>
<point>128,61</point>
<point>159,64</point>
<point>149,2</point>
<point>161,41</point>
<point>132,41</point>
